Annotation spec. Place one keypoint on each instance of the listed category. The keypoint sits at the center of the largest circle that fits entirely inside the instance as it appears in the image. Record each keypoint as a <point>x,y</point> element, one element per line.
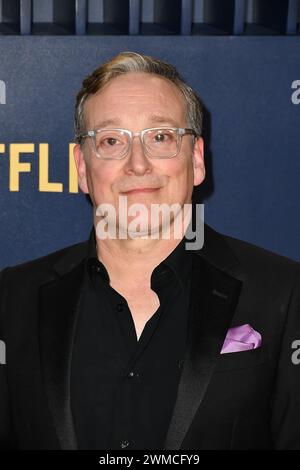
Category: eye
<point>110,141</point>
<point>163,137</point>
<point>160,137</point>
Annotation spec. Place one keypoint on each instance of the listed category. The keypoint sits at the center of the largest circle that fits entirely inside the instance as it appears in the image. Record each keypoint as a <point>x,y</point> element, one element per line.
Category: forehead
<point>135,95</point>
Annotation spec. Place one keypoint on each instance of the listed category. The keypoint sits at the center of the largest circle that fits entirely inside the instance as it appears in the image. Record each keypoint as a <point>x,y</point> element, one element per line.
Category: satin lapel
<point>214,296</point>
<point>58,314</point>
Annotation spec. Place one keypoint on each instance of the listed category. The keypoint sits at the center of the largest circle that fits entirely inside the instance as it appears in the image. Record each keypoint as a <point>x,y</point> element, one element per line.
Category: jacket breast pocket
<point>242,359</point>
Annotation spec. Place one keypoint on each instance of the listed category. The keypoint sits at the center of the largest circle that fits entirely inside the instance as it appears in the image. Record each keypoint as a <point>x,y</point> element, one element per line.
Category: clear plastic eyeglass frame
<point>179,132</point>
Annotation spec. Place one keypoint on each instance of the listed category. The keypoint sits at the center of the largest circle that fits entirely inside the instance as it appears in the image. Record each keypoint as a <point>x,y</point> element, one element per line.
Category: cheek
<point>100,180</point>
<point>180,172</point>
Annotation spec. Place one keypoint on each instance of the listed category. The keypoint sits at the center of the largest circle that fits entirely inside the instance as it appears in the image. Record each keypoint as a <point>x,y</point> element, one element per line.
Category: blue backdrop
<point>251,90</point>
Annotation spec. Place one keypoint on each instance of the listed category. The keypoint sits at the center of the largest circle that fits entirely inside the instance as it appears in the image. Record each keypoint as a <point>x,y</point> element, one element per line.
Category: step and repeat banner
<point>250,87</point>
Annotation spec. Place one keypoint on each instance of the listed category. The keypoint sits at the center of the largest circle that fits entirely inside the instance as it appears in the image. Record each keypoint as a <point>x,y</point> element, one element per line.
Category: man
<point>131,341</point>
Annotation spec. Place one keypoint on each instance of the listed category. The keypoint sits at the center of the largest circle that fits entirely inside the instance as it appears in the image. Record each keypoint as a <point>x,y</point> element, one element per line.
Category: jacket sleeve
<point>285,405</point>
<point>6,435</point>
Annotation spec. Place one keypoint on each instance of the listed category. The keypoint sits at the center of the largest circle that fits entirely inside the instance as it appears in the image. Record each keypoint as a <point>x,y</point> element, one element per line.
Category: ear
<point>198,159</point>
<point>81,168</point>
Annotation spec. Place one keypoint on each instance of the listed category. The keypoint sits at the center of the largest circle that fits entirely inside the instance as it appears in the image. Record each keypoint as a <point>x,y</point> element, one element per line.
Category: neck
<point>133,259</point>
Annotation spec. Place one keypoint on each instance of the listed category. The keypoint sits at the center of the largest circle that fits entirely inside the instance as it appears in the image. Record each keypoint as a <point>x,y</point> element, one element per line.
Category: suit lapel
<point>58,308</point>
<point>214,296</point>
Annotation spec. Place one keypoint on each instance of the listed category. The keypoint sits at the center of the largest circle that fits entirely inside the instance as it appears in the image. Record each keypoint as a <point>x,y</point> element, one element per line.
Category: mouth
<point>141,190</point>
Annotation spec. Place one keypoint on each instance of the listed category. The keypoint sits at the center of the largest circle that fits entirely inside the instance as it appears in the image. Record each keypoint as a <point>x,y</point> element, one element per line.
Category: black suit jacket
<point>240,400</point>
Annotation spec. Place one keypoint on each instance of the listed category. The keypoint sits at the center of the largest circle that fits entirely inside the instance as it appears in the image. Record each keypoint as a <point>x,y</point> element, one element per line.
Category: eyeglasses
<point>157,142</point>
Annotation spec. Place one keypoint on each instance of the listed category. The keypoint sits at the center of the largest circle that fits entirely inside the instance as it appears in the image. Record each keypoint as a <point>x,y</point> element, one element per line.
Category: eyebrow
<point>153,118</point>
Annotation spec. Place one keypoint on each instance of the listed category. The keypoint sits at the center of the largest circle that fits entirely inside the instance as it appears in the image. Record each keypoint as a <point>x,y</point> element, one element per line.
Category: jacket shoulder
<point>261,259</point>
<point>43,267</point>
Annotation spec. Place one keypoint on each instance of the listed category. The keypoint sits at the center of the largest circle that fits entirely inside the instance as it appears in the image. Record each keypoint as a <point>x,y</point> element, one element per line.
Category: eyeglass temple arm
<point>183,131</point>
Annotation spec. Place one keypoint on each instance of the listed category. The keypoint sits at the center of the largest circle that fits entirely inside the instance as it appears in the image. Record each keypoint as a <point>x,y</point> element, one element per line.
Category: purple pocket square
<point>241,338</point>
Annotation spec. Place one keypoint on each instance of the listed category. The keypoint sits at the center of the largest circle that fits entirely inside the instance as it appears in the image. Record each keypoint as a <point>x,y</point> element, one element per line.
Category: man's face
<point>137,101</point>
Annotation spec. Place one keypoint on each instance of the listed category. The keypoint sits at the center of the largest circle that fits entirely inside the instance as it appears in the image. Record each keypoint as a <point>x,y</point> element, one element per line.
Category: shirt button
<point>120,307</point>
<point>95,267</point>
<point>124,444</point>
<point>163,272</point>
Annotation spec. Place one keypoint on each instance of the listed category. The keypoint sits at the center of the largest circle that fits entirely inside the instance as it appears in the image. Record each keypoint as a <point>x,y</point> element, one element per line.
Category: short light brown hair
<point>127,62</point>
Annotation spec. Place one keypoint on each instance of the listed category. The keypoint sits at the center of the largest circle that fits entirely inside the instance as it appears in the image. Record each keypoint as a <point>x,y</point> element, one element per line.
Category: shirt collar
<point>177,263</point>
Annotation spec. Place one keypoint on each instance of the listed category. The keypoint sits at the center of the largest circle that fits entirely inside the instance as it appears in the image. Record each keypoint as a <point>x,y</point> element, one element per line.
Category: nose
<point>137,162</point>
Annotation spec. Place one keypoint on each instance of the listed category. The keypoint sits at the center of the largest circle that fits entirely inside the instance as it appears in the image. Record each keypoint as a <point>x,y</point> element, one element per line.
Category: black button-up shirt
<point>123,390</point>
